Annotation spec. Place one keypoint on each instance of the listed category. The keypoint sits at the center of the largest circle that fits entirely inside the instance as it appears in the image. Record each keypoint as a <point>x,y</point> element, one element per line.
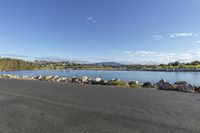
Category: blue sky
<point>128,31</point>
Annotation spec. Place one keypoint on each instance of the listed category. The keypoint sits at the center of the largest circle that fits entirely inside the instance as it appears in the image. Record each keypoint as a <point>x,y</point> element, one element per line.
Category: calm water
<point>142,76</point>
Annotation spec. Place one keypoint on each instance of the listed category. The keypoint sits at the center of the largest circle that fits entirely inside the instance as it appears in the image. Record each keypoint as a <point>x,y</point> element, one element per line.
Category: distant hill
<point>16,64</point>
<point>108,64</point>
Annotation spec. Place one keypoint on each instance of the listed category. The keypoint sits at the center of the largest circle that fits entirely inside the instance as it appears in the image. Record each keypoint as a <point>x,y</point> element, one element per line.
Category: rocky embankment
<point>181,86</point>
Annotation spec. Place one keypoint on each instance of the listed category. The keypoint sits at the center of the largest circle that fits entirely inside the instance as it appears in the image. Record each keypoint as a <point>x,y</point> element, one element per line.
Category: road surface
<point>47,107</point>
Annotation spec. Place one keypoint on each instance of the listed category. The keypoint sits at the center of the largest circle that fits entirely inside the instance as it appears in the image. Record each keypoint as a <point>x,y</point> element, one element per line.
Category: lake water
<point>141,76</point>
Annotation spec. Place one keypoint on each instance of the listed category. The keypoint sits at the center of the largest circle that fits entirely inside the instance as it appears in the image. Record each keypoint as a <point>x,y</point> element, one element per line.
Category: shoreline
<point>148,70</point>
<point>181,86</point>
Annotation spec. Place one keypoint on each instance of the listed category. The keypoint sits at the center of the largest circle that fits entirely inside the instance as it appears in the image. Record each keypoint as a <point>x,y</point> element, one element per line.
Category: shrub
<point>117,83</point>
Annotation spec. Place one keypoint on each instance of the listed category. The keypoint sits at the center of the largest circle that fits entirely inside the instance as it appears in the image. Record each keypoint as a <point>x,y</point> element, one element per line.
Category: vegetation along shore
<point>8,64</point>
<point>181,86</point>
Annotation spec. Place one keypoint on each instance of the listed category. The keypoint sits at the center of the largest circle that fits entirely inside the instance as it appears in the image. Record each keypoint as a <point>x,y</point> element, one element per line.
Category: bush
<point>117,83</point>
<point>16,64</point>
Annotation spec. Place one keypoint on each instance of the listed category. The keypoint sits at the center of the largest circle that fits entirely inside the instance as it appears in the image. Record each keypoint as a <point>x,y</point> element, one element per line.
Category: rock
<point>52,79</point>
<point>40,78</point>
<point>56,77</point>
<point>43,78</point>
<point>105,82</point>
<point>184,86</point>
<point>33,78</point>
<point>7,76</point>
<point>26,78</point>
<point>162,80</point>
<point>84,79</point>
<point>64,79</point>
<point>75,80</point>
<point>13,77</point>
<point>59,79</point>
<point>197,89</point>
<point>147,85</point>
<point>115,79</point>
<point>48,78</point>
<point>97,79</point>
<point>134,84</point>
<point>163,85</point>
<point>90,80</point>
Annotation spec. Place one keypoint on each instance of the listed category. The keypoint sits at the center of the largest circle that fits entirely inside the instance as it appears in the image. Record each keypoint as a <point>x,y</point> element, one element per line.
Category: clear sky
<point>129,31</point>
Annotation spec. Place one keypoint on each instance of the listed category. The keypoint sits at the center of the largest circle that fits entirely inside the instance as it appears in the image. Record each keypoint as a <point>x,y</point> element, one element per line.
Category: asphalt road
<point>45,107</point>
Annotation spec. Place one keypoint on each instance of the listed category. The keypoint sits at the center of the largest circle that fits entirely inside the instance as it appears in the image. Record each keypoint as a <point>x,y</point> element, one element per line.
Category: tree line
<point>7,64</point>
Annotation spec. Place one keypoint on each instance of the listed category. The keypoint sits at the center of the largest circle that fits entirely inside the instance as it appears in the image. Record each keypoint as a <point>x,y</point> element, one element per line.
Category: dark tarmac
<point>47,107</point>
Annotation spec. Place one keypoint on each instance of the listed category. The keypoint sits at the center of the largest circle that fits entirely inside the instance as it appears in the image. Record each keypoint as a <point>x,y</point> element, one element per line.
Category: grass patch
<point>118,83</point>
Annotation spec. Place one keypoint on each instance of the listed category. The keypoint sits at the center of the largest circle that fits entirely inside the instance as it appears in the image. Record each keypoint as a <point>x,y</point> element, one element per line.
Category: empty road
<point>47,107</point>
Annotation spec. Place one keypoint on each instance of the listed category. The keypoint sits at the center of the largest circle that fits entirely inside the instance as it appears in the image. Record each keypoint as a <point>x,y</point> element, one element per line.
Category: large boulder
<point>84,79</point>
<point>56,77</point>
<point>39,78</point>
<point>134,84</point>
<point>147,85</point>
<point>59,79</point>
<point>197,89</point>
<point>99,81</point>
<point>13,77</point>
<point>65,79</point>
<point>25,78</point>
<point>47,78</point>
<point>62,79</point>
<point>75,80</point>
<point>163,85</point>
<point>90,80</point>
<point>7,76</point>
<point>44,78</point>
<point>184,86</point>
